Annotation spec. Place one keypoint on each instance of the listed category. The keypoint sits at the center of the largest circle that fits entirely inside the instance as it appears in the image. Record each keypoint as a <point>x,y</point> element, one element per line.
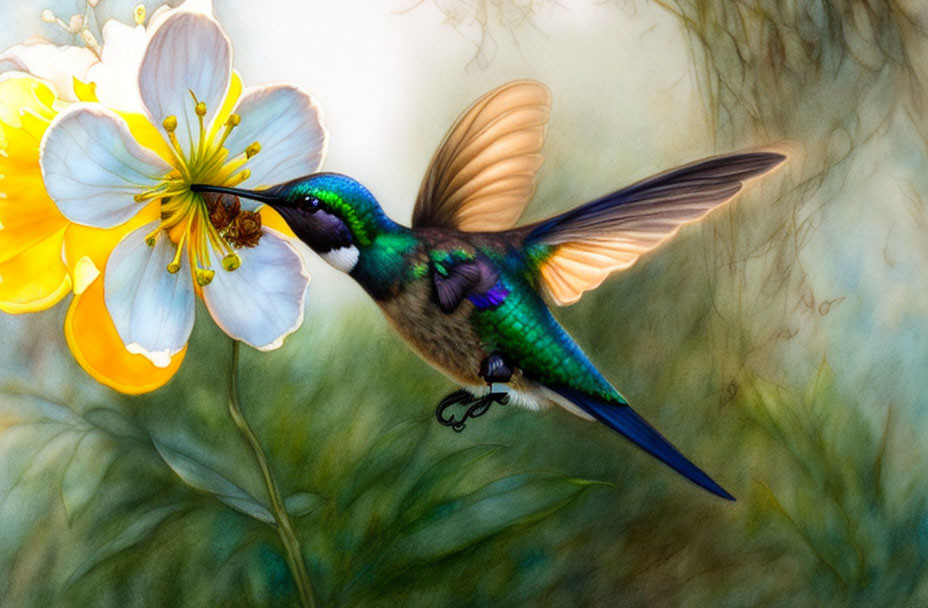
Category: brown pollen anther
<point>223,209</point>
<point>245,230</point>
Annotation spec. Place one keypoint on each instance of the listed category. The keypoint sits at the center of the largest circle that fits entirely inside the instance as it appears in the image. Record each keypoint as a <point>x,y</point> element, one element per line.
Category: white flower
<point>113,67</point>
<point>102,170</point>
<point>59,65</point>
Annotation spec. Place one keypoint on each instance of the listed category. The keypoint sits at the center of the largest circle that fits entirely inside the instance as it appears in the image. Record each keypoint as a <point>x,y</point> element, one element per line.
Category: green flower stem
<point>284,527</point>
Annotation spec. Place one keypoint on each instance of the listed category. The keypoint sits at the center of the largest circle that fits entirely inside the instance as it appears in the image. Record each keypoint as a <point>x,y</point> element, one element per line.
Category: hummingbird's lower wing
<point>575,251</point>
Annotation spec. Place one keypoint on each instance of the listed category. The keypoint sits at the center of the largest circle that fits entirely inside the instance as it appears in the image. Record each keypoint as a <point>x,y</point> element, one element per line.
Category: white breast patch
<point>343,258</point>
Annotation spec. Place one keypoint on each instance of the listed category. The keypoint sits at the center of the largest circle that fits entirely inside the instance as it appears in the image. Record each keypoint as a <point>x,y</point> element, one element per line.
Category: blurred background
<point>781,343</point>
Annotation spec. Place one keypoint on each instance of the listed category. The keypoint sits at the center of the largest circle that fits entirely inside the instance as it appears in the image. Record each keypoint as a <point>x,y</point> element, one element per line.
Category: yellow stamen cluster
<point>185,215</point>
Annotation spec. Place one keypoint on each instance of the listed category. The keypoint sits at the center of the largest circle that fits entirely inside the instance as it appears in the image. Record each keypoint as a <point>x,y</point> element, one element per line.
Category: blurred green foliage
<point>827,483</point>
<point>141,497</point>
<point>156,500</point>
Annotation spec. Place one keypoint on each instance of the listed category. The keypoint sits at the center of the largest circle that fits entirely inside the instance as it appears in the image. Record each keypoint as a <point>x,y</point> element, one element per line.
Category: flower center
<point>204,222</point>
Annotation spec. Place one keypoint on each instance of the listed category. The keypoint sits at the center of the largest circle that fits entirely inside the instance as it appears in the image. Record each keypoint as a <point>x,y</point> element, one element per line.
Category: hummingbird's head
<point>333,214</point>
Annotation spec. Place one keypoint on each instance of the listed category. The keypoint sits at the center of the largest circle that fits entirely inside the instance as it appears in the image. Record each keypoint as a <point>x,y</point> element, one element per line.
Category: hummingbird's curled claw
<point>458,396</point>
<point>475,407</point>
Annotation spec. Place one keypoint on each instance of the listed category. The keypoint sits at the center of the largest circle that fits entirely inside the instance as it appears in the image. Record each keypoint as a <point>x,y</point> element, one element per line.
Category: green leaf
<point>113,422</point>
<point>139,529</point>
<point>440,481</point>
<point>493,509</point>
<point>22,408</point>
<point>201,477</point>
<point>302,503</point>
<point>59,440</point>
<point>385,459</point>
<point>92,458</point>
<point>821,386</point>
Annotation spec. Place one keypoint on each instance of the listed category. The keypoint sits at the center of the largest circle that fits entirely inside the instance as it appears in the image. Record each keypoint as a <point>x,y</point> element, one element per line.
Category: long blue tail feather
<point>624,420</point>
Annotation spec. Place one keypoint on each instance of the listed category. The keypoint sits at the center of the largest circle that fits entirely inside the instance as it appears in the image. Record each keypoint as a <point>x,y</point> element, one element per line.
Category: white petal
<point>151,308</point>
<point>287,122</point>
<point>187,52</point>
<point>56,64</point>
<point>261,302</point>
<point>116,75</point>
<point>164,11</point>
<point>92,166</point>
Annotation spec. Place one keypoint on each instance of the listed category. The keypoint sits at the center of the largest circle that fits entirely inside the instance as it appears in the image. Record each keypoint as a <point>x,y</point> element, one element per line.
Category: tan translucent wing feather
<point>580,267</point>
<point>612,238</point>
<point>483,174</point>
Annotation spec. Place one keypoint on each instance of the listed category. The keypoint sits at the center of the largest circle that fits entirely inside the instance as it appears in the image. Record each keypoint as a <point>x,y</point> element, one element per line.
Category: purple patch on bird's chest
<point>492,298</point>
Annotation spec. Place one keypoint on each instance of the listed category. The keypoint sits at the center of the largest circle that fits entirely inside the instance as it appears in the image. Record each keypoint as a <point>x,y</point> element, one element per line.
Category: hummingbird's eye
<point>309,203</point>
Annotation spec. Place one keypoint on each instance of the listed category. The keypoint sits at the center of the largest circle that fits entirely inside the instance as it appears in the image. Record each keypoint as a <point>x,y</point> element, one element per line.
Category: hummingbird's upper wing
<point>483,174</point>
<point>575,251</point>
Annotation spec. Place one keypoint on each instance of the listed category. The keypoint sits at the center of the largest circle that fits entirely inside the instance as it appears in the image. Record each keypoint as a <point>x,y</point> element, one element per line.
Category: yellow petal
<point>22,93</point>
<point>97,347</point>
<point>147,135</point>
<point>85,91</point>
<point>35,279</point>
<point>34,123</point>
<point>27,214</point>
<point>232,96</point>
<point>86,248</point>
<point>95,244</point>
<point>20,150</point>
<point>32,274</point>
<point>272,219</point>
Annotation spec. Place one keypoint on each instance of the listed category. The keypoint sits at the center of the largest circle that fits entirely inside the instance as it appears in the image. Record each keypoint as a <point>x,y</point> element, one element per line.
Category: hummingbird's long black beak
<point>265,196</point>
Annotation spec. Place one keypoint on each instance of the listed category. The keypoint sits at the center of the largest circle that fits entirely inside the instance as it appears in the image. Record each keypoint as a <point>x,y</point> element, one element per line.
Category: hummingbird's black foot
<point>475,407</point>
<point>457,397</point>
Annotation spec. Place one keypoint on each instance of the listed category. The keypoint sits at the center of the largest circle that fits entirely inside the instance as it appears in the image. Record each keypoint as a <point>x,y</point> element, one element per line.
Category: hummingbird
<point>468,289</point>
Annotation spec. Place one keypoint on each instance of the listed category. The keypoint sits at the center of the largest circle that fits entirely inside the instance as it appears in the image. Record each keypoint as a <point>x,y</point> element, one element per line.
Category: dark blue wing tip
<point>627,422</point>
